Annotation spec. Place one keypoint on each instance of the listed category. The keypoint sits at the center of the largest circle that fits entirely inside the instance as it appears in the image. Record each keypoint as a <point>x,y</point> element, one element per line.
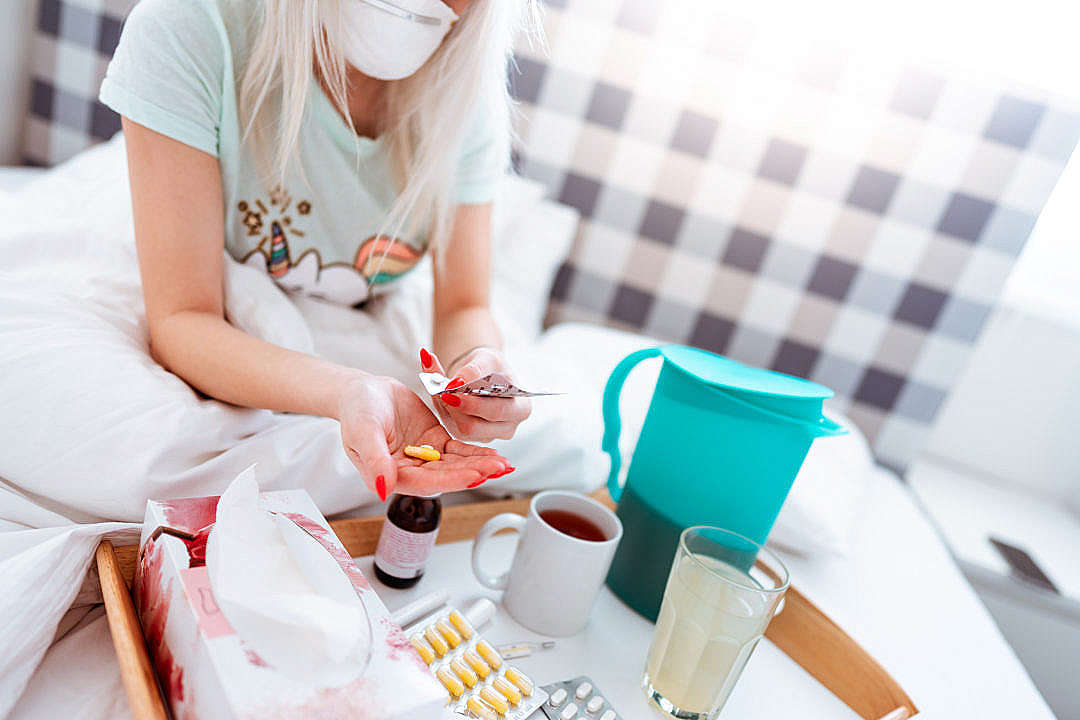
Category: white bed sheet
<point>13,179</point>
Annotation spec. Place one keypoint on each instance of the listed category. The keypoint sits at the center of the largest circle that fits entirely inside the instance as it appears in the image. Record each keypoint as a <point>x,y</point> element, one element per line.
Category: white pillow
<point>517,196</point>
<point>532,237</point>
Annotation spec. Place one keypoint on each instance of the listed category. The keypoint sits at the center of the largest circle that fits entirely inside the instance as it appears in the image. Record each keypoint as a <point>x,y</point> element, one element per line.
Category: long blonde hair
<point>425,114</point>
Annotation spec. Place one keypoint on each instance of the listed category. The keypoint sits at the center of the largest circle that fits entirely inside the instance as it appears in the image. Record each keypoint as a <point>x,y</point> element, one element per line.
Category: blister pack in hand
<point>492,385</point>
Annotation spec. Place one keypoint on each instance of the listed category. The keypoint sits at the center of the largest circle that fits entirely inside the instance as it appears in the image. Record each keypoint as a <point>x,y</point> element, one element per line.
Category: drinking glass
<point>722,592</point>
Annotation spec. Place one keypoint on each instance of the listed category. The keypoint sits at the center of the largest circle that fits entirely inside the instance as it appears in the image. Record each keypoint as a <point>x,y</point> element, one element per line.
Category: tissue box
<point>203,666</point>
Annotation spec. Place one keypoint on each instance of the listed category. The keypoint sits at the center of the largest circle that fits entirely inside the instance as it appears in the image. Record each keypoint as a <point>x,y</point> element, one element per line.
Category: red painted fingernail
<point>380,487</point>
<point>455,383</point>
<point>509,469</point>
<point>479,482</point>
<point>425,358</point>
<point>451,400</point>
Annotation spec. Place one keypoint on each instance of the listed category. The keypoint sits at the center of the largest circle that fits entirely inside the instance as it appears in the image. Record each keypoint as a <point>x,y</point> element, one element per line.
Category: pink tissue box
<point>204,668</point>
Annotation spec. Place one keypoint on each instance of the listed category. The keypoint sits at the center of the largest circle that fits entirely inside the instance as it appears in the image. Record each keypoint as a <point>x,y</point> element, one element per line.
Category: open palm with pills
<point>380,417</point>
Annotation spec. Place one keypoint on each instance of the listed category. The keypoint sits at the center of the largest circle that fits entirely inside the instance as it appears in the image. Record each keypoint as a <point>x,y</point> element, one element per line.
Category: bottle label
<point>401,553</point>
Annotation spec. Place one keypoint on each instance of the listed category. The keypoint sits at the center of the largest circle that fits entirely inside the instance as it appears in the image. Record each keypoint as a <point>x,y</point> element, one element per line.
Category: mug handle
<point>612,421</point>
<point>502,521</point>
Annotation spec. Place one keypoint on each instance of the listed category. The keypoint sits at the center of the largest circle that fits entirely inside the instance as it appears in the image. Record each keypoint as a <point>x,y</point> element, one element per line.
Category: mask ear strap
<point>402,12</point>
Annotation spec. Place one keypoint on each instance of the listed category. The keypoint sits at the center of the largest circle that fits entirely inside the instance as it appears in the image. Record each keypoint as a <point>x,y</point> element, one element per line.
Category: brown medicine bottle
<point>407,537</point>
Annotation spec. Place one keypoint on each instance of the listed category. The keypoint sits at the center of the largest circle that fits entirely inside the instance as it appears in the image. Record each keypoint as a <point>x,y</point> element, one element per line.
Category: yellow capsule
<point>436,640</point>
<point>423,648</point>
<point>477,707</point>
<point>449,633</point>
<point>477,663</point>
<point>462,670</point>
<point>488,653</point>
<point>458,620</point>
<point>507,688</point>
<point>451,683</point>
<point>518,678</point>
<point>422,452</point>
<point>495,700</point>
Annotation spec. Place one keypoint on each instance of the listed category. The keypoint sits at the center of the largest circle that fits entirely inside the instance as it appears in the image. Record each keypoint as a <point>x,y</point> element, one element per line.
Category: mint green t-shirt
<point>177,71</point>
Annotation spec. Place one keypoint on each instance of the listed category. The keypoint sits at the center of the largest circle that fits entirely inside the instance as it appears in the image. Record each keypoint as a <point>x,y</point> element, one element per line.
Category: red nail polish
<point>451,400</point>
<point>425,358</point>
<point>455,383</point>
<point>479,482</point>
<point>380,487</point>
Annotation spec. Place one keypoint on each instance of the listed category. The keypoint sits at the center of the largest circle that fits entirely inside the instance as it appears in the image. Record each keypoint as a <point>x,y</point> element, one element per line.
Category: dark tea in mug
<point>574,525</point>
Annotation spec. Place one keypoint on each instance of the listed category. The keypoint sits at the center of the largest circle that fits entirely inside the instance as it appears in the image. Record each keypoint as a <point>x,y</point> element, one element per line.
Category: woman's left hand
<point>474,418</point>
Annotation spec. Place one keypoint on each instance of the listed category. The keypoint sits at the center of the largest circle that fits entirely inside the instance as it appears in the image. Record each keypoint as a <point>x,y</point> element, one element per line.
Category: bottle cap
<point>480,612</point>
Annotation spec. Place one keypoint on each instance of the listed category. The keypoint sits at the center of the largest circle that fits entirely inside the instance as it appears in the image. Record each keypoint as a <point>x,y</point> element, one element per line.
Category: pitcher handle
<point>612,420</point>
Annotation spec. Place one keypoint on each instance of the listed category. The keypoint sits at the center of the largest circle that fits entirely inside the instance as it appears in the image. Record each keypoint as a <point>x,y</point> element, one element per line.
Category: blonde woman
<point>330,144</point>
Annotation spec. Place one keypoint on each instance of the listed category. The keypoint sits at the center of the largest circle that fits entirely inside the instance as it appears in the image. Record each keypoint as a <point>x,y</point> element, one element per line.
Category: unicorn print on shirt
<point>283,252</point>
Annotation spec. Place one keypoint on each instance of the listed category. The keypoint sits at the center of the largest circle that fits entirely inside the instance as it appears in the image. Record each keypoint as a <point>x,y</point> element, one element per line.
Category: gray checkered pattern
<point>71,50</point>
<point>829,218</point>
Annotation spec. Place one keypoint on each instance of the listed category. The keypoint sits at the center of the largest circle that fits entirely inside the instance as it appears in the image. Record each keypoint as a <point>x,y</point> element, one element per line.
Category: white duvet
<point>91,426</point>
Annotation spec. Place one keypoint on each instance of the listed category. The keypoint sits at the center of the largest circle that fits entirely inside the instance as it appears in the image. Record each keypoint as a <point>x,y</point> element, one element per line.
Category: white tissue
<point>283,593</point>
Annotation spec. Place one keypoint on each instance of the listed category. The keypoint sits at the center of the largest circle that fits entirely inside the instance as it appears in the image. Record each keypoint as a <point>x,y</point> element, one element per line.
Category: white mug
<point>554,578</point>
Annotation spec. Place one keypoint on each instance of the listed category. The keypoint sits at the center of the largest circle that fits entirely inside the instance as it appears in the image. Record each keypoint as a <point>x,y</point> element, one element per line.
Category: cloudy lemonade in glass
<point>712,617</point>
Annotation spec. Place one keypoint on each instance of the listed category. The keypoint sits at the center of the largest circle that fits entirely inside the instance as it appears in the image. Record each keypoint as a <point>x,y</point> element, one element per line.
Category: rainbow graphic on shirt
<point>381,259</point>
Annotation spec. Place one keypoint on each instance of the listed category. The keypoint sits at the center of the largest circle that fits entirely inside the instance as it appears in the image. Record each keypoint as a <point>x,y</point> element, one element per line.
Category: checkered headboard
<point>804,209</point>
<point>801,209</point>
<point>74,41</point>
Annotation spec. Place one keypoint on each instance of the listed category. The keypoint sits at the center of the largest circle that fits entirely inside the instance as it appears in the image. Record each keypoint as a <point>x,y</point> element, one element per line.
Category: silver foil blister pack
<point>492,385</point>
<point>577,698</point>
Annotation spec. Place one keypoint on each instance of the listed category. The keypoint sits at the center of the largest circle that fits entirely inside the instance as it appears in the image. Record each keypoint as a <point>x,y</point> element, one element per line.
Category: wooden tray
<point>801,631</point>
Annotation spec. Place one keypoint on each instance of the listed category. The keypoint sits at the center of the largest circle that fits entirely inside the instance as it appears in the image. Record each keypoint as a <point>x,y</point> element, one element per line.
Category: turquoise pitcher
<point>721,445</point>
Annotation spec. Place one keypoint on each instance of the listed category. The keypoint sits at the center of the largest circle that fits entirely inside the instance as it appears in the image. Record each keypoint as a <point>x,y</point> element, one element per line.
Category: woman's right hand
<point>379,416</point>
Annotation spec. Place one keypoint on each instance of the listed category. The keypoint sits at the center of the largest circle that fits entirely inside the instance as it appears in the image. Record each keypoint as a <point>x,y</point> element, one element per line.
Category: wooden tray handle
<point>136,672</point>
<point>810,638</point>
<point>801,631</point>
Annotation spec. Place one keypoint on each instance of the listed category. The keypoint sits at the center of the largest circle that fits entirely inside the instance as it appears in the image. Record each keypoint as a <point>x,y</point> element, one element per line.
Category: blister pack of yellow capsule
<point>478,682</point>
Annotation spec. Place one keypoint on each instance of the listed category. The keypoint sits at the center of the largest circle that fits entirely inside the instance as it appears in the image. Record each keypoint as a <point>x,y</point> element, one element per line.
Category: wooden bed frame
<point>801,631</point>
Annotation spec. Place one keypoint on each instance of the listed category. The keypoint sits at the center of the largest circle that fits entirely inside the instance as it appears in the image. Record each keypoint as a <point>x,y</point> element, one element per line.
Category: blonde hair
<point>425,114</point>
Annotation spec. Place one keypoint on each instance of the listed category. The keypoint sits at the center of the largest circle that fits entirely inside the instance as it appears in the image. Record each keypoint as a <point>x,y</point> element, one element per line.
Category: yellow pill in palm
<point>477,707</point>
<point>450,682</point>
<point>436,640</point>
<point>462,671</point>
<point>519,678</point>
<point>422,452</point>
<point>423,648</point>
<point>489,653</point>
<point>449,633</point>
<point>458,620</point>
<point>507,688</point>
<point>477,663</point>
<point>495,700</point>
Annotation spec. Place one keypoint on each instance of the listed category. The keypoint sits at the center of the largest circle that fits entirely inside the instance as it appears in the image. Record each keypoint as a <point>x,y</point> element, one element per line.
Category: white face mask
<point>391,39</point>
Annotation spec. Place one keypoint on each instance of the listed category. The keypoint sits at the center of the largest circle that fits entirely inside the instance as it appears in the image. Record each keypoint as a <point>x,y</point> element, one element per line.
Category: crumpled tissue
<point>282,592</point>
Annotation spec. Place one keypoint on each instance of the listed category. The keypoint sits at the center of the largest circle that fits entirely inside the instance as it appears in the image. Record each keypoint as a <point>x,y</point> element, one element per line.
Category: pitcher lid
<point>722,371</point>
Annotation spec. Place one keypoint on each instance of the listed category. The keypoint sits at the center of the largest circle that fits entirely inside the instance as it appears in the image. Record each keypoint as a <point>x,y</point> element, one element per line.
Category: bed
<point>71,333</point>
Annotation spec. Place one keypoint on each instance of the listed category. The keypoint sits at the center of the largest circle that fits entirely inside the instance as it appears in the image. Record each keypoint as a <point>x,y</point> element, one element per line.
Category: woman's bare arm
<point>466,335</point>
<point>463,286</point>
<point>180,234</point>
